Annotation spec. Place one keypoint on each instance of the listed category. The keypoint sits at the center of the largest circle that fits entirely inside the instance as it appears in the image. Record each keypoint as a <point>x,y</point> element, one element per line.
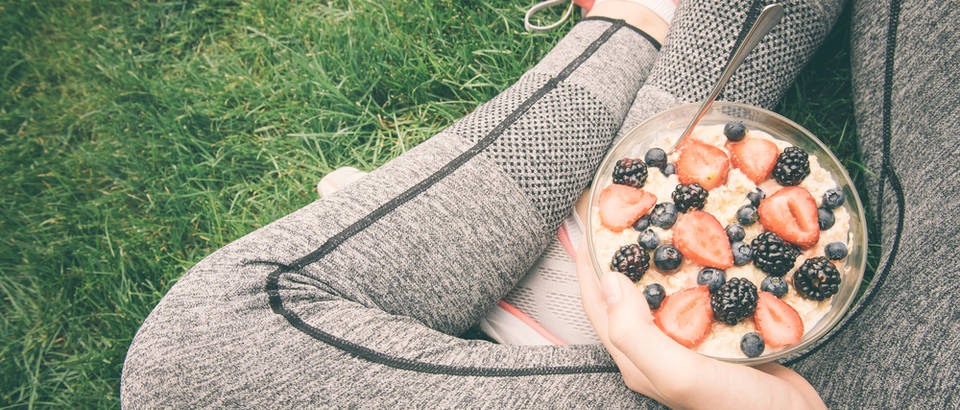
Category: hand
<point>654,365</point>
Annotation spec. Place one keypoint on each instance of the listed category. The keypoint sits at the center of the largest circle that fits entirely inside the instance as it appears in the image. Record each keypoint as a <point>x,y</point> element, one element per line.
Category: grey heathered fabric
<point>701,38</point>
<point>372,322</point>
<point>901,349</point>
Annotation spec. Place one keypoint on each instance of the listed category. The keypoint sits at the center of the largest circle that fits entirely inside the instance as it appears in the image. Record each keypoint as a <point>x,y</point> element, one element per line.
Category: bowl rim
<point>802,346</point>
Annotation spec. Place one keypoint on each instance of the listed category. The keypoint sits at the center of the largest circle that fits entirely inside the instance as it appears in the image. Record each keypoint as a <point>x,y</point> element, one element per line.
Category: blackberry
<point>735,232</point>
<point>668,170</point>
<point>734,301</point>
<point>641,223</point>
<point>735,131</point>
<point>825,218</point>
<point>712,277</point>
<point>835,251</point>
<point>817,279</point>
<point>832,198</point>
<point>663,215</point>
<point>755,197</point>
<point>648,239</point>
<point>631,260</point>
<point>667,258</point>
<point>654,293</point>
<point>772,254</point>
<point>752,344</point>
<point>630,171</point>
<point>775,285</point>
<point>793,165</point>
<point>656,158</point>
<point>687,197</point>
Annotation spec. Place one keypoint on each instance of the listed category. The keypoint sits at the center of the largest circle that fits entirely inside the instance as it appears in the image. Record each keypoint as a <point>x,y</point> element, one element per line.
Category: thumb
<point>628,314</point>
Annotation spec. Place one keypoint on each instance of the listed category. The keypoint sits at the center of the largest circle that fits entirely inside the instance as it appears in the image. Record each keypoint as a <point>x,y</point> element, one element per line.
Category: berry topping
<point>648,239</point>
<point>756,196</point>
<point>685,316</point>
<point>734,130</point>
<point>663,215</point>
<point>712,277</point>
<point>825,218</point>
<point>742,254</point>
<point>621,205</point>
<point>792,213</point>
<point>755,157</point>
<point>687,197</point>
<point>654,293</point>
<point>734,232</point>
<point>667,258</point>
<point>835,251</point>
<point>772,254</point>
<point>775,285</point>
<point>704,164</point>
<point>751,344</point>
<point>668,170</point>
<point>700,237</point>
<point>747,215</point>
<point>793,165</point>
<point>632,261</point>
<point>656,158</point>
<point>817,279</point>
<point>832,198</point>
<point>778,322</point>
<point>641,223</point>
<point>734,301</point>
<point>631,172</point>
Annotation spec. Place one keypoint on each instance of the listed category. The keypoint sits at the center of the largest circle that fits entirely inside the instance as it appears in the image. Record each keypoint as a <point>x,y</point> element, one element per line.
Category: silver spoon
<point>768,18</point>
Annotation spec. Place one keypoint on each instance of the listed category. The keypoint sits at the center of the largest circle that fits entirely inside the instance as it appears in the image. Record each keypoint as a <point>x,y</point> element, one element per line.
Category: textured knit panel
<point>907,337</point>
<point>424,245</point>
<point>554,150</point>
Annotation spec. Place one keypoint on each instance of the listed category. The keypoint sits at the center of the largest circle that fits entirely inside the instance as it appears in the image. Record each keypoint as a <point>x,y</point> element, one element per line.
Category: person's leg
<point>899,347</point>
<point>359,296</point>
<point>701,39</point>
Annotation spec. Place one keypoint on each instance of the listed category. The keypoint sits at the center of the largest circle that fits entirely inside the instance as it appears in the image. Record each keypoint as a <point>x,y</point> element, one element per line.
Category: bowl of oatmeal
<point>748,236</point>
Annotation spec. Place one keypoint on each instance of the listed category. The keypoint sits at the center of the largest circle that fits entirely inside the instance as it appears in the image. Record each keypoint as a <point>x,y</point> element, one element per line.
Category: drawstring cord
<point>542,5</point>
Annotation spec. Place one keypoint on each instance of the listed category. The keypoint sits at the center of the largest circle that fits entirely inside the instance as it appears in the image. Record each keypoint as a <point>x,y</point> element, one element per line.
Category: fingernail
<point>611,288</point>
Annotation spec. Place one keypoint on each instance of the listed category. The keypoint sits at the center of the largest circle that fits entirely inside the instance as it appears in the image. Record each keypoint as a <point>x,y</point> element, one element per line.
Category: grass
<point>137,137</point>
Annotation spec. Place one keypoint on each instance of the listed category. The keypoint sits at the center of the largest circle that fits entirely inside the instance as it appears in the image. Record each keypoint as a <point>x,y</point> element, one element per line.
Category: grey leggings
<point>357,298</point>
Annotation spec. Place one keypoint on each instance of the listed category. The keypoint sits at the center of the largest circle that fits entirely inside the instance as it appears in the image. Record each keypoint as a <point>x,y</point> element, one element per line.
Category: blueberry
<point>663,215</point>
<point>825,217</point>
<point>752,344</point>
<point>642,223</point>
<point>712,277</point>
<point>742,254</point>
<point>735,232</point>
<point>835,251</point>
<point>832,198</point>
<point>655,158</point>
<point>648,239</point>
<point>775,285</point>
<point>735,130</point>
<point>756,196</point>
<point>654,293</point>
<point>668,170</point>
<point>667,258</point>
<point>747,215</point>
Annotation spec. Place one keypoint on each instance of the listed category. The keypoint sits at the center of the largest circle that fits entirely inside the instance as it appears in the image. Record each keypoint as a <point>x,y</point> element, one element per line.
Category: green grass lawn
<point>137,137</point>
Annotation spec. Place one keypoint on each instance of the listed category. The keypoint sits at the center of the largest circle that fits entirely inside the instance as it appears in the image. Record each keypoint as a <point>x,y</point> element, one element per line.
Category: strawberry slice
<point>702,163</point>
<point>778,322</point>
<point>685,316</point>
<point>621,205</point>
<point>792,214</point>
<point>702,239</point>
<point>755,157</point>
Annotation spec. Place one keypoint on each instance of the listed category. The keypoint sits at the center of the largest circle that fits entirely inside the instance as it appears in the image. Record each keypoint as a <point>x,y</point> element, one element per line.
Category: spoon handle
<point>767,19</point>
